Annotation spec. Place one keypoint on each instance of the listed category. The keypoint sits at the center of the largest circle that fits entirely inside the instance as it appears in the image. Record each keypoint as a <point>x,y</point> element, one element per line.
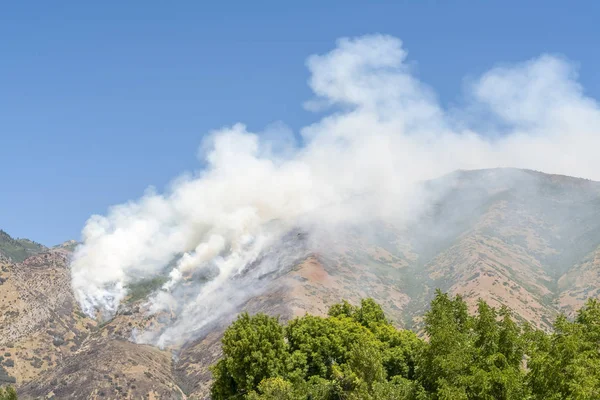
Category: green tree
<point>496,372</point>
<point>343,309</point>
<point>511,343</point>
<point>276,389</point>
<point>471,357</point>
<point>8,393</point>
<point>566,365</point>
<point>356,353</point>
<point>399,388</point>
<point>400,349</point>
<point>487,334</point>
<point>445,363</point>
<point>254,349</point>
<point>325,341</point>
<point>366,361</point>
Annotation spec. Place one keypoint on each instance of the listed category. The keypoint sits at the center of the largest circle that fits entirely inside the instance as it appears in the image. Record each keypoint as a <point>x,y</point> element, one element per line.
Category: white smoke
<point>385,132</point>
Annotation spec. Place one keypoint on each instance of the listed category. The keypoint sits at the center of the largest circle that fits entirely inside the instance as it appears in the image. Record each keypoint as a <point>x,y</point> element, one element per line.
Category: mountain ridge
<point>18,249</point>
<point>521,238</point>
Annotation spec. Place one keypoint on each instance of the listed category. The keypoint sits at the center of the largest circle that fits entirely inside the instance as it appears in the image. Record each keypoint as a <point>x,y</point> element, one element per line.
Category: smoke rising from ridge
<point>385,132</point>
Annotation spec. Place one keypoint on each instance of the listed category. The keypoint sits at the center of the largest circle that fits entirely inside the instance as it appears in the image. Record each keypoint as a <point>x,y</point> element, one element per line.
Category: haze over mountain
<point>515,237</point>
<point>361,164</point>
<point>388,196</point>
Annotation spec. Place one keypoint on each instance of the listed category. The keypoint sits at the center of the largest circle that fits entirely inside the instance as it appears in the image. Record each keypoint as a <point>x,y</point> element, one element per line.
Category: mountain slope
<point>52,350</point>
<point>520,238</point>
<point>18,250</point>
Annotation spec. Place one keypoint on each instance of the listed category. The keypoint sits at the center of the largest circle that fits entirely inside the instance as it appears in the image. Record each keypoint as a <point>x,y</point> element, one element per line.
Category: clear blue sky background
<point>100,99</point>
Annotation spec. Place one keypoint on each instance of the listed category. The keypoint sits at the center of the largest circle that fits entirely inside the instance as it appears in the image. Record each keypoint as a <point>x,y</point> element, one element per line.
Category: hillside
<point>45,339</point>
<point>18,250</point>
<point>520,238</point>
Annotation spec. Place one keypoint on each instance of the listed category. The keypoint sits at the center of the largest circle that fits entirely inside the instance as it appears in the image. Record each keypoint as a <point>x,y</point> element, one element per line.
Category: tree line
<point>356,353</point>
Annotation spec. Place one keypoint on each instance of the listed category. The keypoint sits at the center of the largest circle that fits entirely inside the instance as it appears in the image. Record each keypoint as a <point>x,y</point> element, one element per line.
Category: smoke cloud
<point>215,233</point>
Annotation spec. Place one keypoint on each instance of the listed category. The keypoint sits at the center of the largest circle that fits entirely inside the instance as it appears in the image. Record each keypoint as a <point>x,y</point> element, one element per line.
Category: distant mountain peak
<point>69,245</point>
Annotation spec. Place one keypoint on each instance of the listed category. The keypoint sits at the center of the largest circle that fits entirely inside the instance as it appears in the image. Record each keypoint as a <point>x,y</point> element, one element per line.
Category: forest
<point>355,352</point>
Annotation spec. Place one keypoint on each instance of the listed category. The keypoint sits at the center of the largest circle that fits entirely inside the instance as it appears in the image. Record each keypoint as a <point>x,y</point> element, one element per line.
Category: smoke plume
<point>383,132</point>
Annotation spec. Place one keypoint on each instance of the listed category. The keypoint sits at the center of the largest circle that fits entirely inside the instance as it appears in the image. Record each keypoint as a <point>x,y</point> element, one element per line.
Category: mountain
<point>521,238</point>
<point>18,250</point>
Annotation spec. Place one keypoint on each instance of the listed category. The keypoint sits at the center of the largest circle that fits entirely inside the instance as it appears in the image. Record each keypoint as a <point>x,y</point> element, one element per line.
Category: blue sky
<point>99,100</point>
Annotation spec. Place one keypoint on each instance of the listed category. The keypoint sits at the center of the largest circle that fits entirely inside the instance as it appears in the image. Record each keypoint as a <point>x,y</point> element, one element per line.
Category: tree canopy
<point>8,393</point>
<point>356,353</point>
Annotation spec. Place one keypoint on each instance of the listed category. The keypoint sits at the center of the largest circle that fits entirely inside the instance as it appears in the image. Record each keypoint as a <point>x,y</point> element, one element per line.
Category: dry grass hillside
<point>50,349</point>
<point>524,239</point>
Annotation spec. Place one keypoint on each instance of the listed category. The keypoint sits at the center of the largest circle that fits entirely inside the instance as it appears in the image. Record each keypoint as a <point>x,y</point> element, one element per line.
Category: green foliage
<point>254,349</point>
<point>142,289</point>
<point>566,365</point>
<point>275,389</point>
<point>18,249</point>
<point>355,353</point>
<point>8,393</point>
